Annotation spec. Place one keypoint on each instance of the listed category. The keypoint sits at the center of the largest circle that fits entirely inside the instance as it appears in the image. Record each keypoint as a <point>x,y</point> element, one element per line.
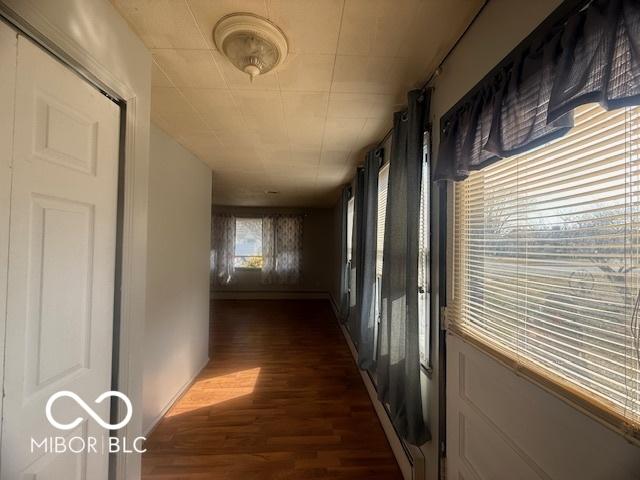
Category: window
<point>350,267</point>
<point>547,259</point>
<point>423,252</point>
<point>424,270</point>
<point>383,184</point>
<point>248,246</point>
<point>350,207</point>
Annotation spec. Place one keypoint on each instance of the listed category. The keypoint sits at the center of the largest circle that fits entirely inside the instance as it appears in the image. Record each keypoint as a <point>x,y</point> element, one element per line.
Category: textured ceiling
<point>301,130</point>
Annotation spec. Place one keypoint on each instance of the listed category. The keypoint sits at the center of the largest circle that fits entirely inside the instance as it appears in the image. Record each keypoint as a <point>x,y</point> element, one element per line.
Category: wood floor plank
<point>280,399</point>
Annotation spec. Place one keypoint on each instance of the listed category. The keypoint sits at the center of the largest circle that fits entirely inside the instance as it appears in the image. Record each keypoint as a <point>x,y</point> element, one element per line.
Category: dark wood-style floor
<point>280,399</point>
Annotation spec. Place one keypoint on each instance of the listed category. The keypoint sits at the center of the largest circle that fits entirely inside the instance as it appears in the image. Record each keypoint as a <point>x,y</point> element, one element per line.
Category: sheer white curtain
<point>282,249</point>
<point>289,249</point>
<point>223,244</point>
<point>268,250</point>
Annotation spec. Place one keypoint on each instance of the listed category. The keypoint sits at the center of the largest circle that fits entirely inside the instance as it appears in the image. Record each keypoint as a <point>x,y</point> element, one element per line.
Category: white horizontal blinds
<point>350,207</point>
<point>547,256</point>
<point>423,257</point>
<point>383,182</point>
<point>351,270</point>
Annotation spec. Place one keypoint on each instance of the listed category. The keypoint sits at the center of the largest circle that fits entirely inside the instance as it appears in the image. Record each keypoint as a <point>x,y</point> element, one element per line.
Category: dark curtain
<point>367,273</point>
<point>357,257</point>
<point>591,56</point>
<point>343,305</point>
<point>398,362</point>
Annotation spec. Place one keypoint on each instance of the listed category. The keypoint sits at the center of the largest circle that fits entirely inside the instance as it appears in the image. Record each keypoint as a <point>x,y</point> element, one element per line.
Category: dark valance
<point>590,54</point>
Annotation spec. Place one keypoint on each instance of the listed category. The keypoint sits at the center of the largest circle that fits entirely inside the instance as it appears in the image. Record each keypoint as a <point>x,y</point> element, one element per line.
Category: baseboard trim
<point>268,295</point>
<point>334,306</point>
<point>181,391</point>
<point>404,462</point>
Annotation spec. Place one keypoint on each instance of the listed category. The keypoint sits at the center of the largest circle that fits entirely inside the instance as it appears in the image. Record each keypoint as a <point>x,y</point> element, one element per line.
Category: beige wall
<point>177,326</point>
<point>319,264</point>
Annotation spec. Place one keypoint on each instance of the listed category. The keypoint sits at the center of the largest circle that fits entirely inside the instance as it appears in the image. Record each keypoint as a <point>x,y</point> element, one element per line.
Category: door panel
<point>56,254</point>
<point>61,265</point>
<point>502,426</point>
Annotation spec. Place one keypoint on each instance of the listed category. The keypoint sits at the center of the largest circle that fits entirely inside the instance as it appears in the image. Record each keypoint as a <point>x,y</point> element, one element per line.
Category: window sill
<point>559,387</point>
<point>247,269</point>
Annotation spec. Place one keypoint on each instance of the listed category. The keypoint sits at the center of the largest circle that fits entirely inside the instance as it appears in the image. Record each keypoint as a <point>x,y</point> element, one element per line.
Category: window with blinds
<point>383,183</point>
<point>424,270</point>
<point>381,213</point>
<point>350,267</point>
<point>546,262</point>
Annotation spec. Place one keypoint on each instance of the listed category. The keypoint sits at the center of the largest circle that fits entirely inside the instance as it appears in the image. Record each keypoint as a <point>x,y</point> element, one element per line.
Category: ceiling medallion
<point>252,43</point>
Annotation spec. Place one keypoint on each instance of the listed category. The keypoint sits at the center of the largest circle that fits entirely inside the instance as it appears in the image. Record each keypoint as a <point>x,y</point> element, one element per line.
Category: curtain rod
<point>438,69</point>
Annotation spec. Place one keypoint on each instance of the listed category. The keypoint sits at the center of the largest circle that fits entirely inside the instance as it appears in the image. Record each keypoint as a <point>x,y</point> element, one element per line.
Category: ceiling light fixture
<point>252,44</point>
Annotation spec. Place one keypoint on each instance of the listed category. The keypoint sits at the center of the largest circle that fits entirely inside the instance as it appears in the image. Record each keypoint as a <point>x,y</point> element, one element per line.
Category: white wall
<point>500,425</point>
<point>177,324</point>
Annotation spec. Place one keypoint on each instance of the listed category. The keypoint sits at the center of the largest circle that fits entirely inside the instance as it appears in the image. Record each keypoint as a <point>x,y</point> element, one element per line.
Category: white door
<point>62,237</point>
<point>500,426</point>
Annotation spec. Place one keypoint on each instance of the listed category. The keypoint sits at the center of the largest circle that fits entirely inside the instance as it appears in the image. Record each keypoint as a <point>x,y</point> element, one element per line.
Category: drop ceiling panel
<point>376,27</point>
<point>335,158</point>
<point>162,23</point>
<point>184,123</point>
<point>168,100</point>
<point>305,104</point>
<point>361,105</point>
<point>343,133</point>
<point>306,131</point>
<point>302,129</point>
<point>306,72</point>
<point>311,26</point>
<point>190,68</point>
<point>158,77</point>
<point>369,74</point>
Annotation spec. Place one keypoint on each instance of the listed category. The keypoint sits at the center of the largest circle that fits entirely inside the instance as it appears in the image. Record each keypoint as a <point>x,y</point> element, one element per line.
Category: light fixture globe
<point>252,44</point>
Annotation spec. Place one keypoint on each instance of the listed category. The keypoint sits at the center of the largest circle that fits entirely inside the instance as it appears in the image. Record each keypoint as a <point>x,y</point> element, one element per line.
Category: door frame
<point>130,281</point>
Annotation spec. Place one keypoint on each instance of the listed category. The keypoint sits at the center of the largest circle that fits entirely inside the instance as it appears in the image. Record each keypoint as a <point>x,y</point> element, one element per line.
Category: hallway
<point>280,399</point>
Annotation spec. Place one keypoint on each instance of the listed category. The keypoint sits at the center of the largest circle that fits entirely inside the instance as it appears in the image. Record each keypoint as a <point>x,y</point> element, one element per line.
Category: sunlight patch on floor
<point>210,391</point>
